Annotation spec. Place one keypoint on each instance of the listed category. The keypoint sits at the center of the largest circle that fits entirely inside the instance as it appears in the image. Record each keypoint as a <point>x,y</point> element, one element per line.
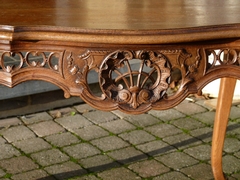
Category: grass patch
<point>186,131</point>
<point>7,175</point>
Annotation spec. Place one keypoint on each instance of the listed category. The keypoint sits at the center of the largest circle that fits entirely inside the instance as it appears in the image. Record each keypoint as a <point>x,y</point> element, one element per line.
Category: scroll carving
<point>223,56</point>
<point>133,81</point>
<point>83,64</point>
<point>193,68</point>
<point>129,80</point>
<point>134,87</point>
<point>50,60</point>
<point>188,69</point>
<point>76,70</point>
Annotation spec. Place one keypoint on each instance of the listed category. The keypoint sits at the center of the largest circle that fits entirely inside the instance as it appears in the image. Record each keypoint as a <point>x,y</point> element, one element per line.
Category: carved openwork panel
<point>222,56</point>
<point>125,85</point>
<point>80,65</point>
<point>130,80</point>
<point>13,61</point>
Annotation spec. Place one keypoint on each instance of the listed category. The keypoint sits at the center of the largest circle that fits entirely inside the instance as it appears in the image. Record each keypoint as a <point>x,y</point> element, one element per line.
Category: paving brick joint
<point>81,143</point>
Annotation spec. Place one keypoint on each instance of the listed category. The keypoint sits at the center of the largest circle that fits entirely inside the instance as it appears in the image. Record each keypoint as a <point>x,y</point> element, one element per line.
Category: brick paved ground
<point>82,143</point>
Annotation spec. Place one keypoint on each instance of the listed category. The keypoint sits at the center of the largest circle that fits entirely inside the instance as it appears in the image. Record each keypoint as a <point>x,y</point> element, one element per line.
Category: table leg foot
<point>225,96</point>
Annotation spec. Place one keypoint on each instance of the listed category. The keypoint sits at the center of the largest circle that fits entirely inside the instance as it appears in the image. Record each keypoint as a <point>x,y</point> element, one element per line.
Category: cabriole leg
<point>224,103</point>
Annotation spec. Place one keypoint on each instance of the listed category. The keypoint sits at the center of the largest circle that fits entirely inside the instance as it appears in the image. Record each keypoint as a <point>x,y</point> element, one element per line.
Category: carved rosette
<point>123,84</point>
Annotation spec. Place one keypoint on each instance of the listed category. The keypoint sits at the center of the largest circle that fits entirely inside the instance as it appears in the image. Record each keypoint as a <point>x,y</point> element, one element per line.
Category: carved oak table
<point>133,46</point>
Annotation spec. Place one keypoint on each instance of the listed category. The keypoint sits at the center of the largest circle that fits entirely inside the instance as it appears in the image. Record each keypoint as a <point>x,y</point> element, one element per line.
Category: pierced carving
<point>13,61</point>
<point>93,58</point>
<point>225,56</point>
<point>133,81</point>
<point>186,69</point>
<point>85,62</point>
<point>11,67</point>
<point>130,80</point>
<point>74,69</point>
<point>125,85</point>
<point>192,68</point>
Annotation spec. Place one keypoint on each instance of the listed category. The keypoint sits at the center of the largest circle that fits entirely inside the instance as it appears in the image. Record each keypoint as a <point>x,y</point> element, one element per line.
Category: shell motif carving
<point>126,84</point>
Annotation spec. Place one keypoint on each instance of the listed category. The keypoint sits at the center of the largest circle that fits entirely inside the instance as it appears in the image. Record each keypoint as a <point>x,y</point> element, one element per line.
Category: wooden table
<point>134,47</point>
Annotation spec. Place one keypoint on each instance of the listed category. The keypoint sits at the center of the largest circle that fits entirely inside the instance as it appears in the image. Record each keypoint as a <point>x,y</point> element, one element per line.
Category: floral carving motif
<point>84,63</point>
<point>125,85</point>
<point>186,69</point>
<point>192,68</point>
<point>132,80</point>
<point>74,69</point>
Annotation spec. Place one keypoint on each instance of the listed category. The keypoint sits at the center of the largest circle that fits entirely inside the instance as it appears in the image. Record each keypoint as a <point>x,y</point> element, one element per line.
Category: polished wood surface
<point>154,21</point>
<point>225,97</point>
<point>134,47</point>
<point>119,14</point>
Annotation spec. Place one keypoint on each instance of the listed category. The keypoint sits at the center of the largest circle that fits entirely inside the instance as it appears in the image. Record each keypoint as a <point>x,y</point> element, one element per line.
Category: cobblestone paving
<point>81,143</point>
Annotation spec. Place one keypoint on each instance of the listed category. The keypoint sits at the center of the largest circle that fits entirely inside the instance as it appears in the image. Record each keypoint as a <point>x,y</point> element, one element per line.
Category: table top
<point>152,19</point>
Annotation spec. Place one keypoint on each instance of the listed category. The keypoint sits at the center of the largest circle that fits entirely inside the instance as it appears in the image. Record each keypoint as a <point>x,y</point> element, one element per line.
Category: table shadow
<point>123,162</point>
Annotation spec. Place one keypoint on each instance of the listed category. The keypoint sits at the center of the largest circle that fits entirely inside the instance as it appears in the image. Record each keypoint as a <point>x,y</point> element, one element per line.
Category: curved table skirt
<point>132,78</point>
